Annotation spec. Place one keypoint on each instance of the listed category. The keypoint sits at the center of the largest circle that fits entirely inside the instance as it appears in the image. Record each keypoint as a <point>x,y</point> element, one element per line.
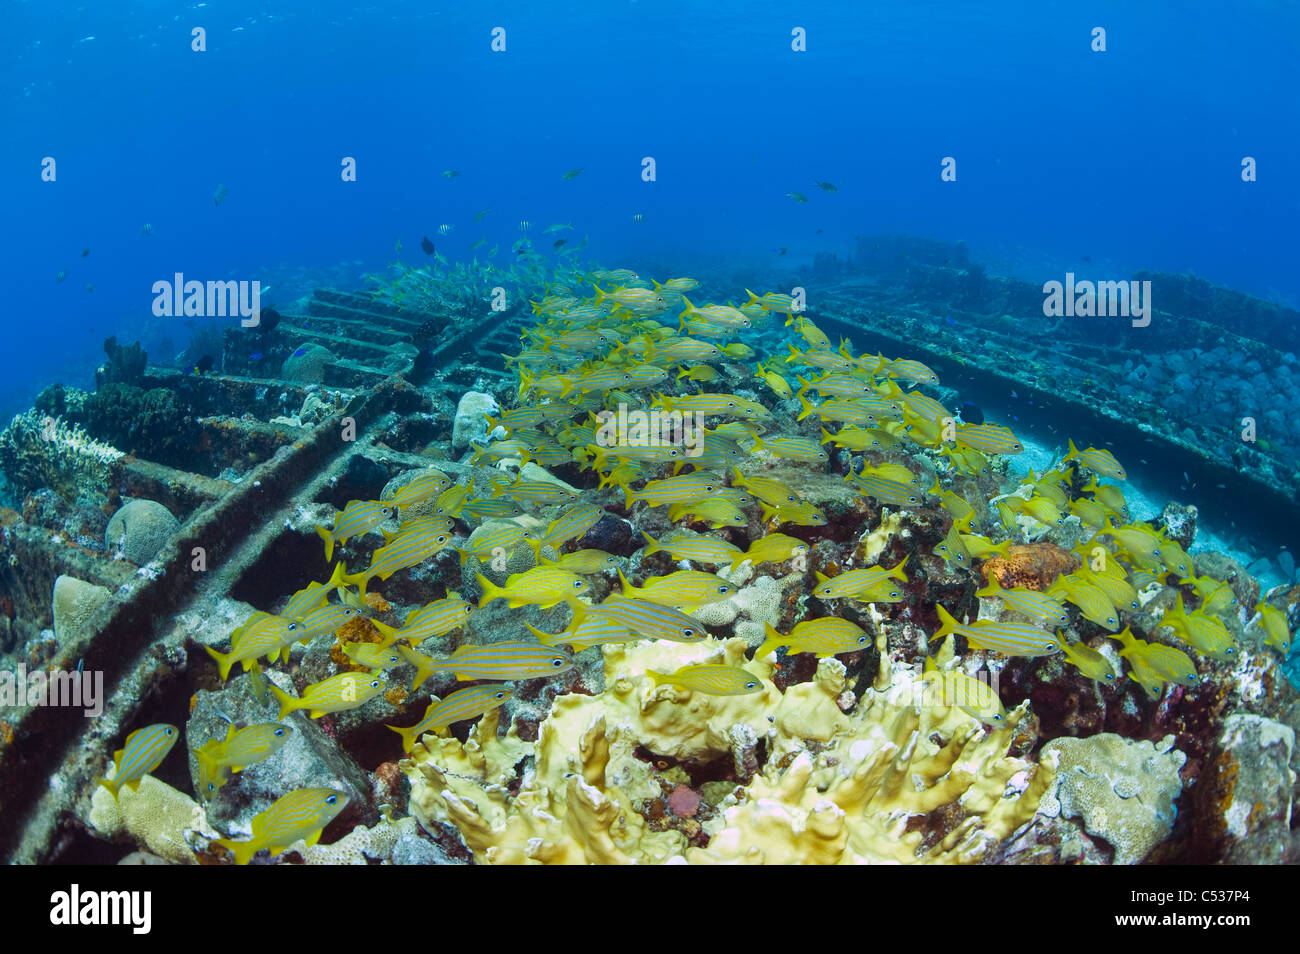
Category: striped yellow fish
<point>645,617</point>
<point>713,680</point>
<point>468,703</point>
<point>347,690</point>
<point>540,586</point>
<point>685,588</point>
<point>142,752</point>
<point>239,749</point>
<point>357,519</point>
<point>432,619</point>
<point>772,548</point>
<point>583,562</point>
<point>419,489</point>
<point>1010,639</point>
<point>300,815</point>
<point>973,696</point>
<point>499,661</point>
<point>592,631</point>
<point>1098,459</point>
<point>850,582</point>
<point>505,536</point>
<point>827,636</point>
<point>406,549</point>
<point>695,548</point>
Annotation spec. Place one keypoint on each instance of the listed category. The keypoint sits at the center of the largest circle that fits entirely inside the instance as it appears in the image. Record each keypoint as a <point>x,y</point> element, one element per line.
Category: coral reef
<point>890,781</point>
<point>39,451</point>
<point>307,365</point>
<point>1122,790</point>
<point>125,364</point>
<point>140,529</point>
<point>75,602</point>
<point>470,424</point>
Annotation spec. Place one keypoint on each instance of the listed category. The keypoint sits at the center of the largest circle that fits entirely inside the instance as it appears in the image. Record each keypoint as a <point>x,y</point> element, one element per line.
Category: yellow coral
<point>837,788</point>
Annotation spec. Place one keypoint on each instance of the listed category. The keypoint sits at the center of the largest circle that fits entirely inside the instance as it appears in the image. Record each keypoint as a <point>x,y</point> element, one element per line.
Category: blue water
<point>1129,157</point>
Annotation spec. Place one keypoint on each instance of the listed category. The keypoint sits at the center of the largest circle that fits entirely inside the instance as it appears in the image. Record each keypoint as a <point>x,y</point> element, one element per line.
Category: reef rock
<point>1122,790</point>
<point>139,530</point>
<point>470,424</point>
<point>1034,565</point>
<point>1256,784</point>
<point>307,365</point>
<point>75,602</point>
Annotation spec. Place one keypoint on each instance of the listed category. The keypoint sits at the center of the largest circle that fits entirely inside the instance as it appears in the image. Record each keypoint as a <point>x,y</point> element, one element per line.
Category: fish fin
<point>328,537</point>
<point>287,702</point>
<point>242,850</point>
<point>659,678</point>
<point>652,545</point>
<point>490,591</point>
<point>336,578</point>
<point>224,661</point>
<point>897,572</point>
<point>628,589</point>
<point>948,624</point>
<point>773,641</point>
<point>803,403</point>
<point>389,633</point>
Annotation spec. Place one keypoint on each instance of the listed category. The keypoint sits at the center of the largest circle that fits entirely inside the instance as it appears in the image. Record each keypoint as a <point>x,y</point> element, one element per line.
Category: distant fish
<point>450,173</point>
<point>204,364</point>
<point>826,186</point>
<point>780,251</point>
<point>478,242</point>
<point>558,242</point>
<point>797,196</point>
<point>268,319</point>
<point>256,356</point>
<point>572,174</point>
<point>525,225</point>
<point>398,246</point>
<point>220,195</point>
<point>85,252</point>
<point>426,246</point>
<point>444,229</point>
<point>300,352</point>
<point>63,273</point>
<point>146,229</point>
<point>971,414</point>
<point>638,218</point>
<point>90,288</point>
<point>478,216</point>
<point>552,229</point>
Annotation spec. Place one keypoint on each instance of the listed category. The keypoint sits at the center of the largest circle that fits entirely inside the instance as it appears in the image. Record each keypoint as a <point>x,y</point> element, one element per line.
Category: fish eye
<point>723,589</point>
<point>1230,650</point>
<point>997,718</point>
<point>861,640</point>
<point>557,663</point>
<point>279,732</point>
<point>293,626</point>
<point>751,685</point>
<point>167,732</point>
<point>578,584</point>
<point>331,800</point>
<point>1110,677</point>
<point>375,684</point>
<point>211,787</point>
<point>500,695</point>
<point>688,633</point>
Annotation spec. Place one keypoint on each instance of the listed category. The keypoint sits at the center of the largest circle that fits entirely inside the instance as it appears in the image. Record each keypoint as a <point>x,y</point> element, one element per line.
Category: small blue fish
<point>300,352</point>
<point>255,357</point>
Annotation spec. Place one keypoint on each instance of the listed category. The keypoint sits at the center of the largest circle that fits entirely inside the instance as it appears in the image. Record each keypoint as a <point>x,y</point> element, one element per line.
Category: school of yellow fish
<point>608,341</point>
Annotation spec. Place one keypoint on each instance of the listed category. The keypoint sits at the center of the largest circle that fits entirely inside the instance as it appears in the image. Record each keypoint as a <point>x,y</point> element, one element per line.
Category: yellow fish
<point>685,588</point>
<point>540,586</point>
<point>712,680</point>
<point>142,752</point>
<point>347,690</point>
<point>298,816</point>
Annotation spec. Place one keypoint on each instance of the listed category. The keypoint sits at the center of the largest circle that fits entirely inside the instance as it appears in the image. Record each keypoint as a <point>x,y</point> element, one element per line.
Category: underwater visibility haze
<point>640,433</point>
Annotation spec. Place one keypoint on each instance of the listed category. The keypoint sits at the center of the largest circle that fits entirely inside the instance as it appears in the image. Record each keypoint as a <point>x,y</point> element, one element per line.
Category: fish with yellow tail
<point>540,586</point>
<point>1154,664</point>
<point>357,519</point>
<point>1097,459</point>
<point>685,589</point>
<point>1278,633</point>
<point>713,680</point>
<point>1090,663</point>
<point>1009,639</point>
<point>468,703</point>
<point>853,582</point>
<point>421,488</point>
<point>300,815</point>
<point>238,750</point>
<point>501,661</point>
<point>772,548</point>
<point>405,549</point>
<point>432,619</point>
<point>952,687</point>
<point>347,690</point>
<point>142,752</point>
<point>828,636</point>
